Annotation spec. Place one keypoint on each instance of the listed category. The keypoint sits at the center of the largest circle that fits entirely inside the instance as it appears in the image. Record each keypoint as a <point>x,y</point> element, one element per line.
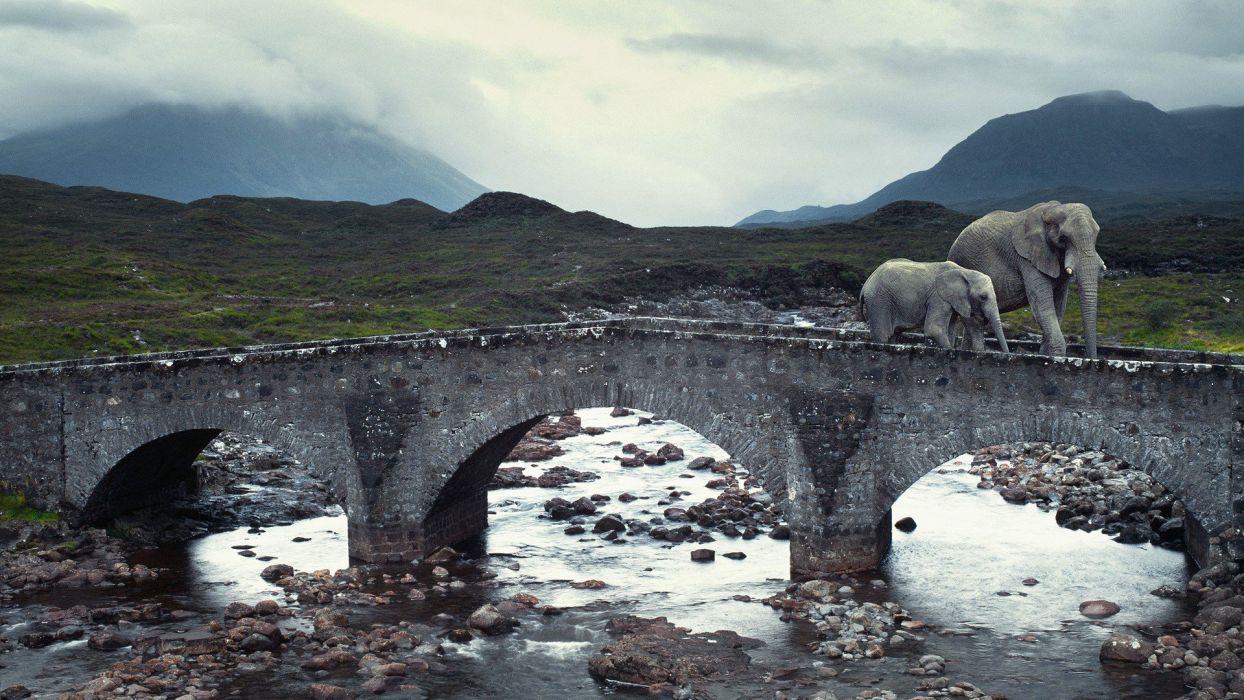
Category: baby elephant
<point>904,295</point>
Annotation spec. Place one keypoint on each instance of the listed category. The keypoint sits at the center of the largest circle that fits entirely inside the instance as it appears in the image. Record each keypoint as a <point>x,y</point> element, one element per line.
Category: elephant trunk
<point>995,321</point>
<point>1088,268</point>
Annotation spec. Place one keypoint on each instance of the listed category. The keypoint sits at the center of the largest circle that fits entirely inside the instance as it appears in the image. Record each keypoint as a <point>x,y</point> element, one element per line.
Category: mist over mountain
<point>1104,141</point>
<point>186,153</point>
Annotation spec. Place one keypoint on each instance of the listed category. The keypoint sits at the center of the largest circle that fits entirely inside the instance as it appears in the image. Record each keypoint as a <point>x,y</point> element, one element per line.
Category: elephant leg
<point>973,335</point>
<point>1061,287</point>
<point>880,327</point>
<point>1040,291</point>
<point>938,324</point>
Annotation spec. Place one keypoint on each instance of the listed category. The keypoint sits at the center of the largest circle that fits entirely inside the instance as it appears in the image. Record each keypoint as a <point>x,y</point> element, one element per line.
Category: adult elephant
<point>1031,256</point>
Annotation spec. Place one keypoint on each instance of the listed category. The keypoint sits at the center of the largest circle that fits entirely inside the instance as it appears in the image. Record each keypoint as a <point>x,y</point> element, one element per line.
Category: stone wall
<point>408,429</point>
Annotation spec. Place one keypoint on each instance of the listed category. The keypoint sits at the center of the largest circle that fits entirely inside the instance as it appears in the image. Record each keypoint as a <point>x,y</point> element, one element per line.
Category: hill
<point>89,271</point>
<point>1126,149</point>
<point>185,153</point>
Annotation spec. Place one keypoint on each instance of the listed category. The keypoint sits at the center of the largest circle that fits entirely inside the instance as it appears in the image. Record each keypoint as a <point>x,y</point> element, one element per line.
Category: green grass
<point>13,507</point>
<point>104,273</point>
<point>1188,312</point>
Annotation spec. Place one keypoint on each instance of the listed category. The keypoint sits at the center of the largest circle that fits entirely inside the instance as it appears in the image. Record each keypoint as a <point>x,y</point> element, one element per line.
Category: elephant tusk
<point>1070,272</point>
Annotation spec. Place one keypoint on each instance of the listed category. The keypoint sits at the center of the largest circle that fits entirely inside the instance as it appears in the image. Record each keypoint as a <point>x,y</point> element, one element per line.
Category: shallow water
<point>969,545</point>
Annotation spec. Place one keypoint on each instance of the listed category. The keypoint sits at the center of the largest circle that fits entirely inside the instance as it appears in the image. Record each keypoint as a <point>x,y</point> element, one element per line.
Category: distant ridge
<point>1104,141</point>
<point>503,206</point>
<point>186,153</point>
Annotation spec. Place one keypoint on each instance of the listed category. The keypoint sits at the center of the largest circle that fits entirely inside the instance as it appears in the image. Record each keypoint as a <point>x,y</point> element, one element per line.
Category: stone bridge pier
<point>410,429</point>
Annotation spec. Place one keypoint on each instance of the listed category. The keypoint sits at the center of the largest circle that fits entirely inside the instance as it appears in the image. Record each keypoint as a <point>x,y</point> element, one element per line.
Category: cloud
<point>734,48</point>
<point>647,111</point>
<point>59,15</point>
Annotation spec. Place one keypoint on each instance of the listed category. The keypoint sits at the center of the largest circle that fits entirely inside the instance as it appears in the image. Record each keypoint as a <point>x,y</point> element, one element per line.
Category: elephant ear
<point>1032,239</point>
<point>952,286</point>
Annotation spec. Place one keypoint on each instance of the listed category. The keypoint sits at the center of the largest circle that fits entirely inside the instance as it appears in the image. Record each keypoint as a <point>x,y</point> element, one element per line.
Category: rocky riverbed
<point>1092,491</point>
<point>1088,490</point>
<point>636,557</point>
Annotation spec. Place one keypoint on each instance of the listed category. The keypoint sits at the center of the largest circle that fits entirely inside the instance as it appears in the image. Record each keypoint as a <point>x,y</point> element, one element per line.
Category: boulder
<point>1098,609</point>
<point>609,523</point>
<point>267,607</point>
<point>583,506</point>
<point>107,640</point>
<point>670,452</point>
<point>237,610</point>
<point>703,555</point>
<point>256,642</point>
<point>329,660</point>
<point>272,572</point>
<point>701,463</point>
<point>905,524</point>
<point>1015,495</point>
<point>442,555</point>
<point>489,620</point>
<point>1125,647</point>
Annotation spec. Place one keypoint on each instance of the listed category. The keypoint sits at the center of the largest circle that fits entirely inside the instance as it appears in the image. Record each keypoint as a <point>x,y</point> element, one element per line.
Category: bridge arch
<point>454,496</point>
<point>148,458</point>
<point>1172,462</point>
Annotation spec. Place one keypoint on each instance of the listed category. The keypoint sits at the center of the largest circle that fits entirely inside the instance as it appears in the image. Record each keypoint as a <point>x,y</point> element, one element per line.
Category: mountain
<point>186,153</point>
<point>1103,141</point>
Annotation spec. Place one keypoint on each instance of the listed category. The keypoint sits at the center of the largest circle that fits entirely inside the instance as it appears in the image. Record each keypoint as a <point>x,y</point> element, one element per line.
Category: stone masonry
<point>409,429</point>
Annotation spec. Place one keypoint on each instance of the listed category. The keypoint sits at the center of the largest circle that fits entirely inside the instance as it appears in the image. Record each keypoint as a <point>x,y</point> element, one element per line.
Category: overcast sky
<point>650,112</point>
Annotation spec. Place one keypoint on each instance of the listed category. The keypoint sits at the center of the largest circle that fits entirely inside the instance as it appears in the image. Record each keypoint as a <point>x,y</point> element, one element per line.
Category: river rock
<point>703,555</point>
<point>907,524</point>
<point>327,618</point>
<point>326,691</point>
<point>330,659</point>
<point>657,654</point>
<point>1015,495</point>
<point>583,506</point>
<point>107,640</point>
<point>700,463</point>
<point>37,639</point>
<point>256,642</point>
<point>611,522</point>
<point>1098,609</point>
<point>237,610</point>
<point>619,412</point>
<point>489,620</point>
<point>442,555</point>
<point>534,449</point>
<point>272,572</point>
<point>1125,647</point>
<point>670,452</point>
<point>267,607</point>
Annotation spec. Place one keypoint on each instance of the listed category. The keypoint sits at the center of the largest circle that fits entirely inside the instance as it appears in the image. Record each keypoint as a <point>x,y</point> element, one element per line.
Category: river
<point>969,546</point>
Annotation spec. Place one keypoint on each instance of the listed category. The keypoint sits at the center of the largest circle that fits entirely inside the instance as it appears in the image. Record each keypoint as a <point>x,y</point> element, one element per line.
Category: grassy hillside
<point>89,271</point>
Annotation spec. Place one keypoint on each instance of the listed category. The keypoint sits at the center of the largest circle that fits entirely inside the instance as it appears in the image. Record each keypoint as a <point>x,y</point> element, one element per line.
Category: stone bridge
<point>409,429</point>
